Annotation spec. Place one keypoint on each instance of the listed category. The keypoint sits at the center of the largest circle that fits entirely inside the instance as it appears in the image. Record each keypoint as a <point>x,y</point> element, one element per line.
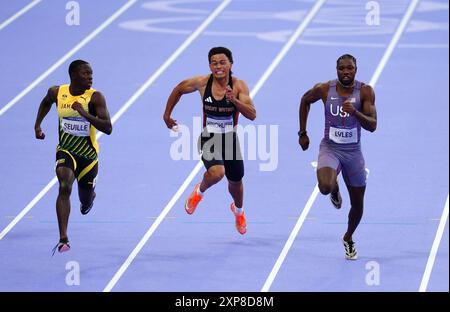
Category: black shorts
<point>224,150</point>
<point>85,170</point>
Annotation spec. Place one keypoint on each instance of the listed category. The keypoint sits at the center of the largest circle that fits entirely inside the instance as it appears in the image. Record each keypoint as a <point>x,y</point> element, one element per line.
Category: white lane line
<point>434,249</point>
<point>27,208</point>
<point>290,240</point>
<point>152,229</point>
<point>19,13</point>
<point>387,54</point>
<point>289,44</point>
<point>313,196</point>
<point>171,59</point>
<point>199,165</point>
<point>119,113</point>
<point>191,176</point>
<point>58,63</point>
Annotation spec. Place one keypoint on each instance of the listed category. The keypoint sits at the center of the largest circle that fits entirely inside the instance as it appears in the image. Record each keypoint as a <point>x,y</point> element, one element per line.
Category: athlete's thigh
<point>234,170</point>
<point>354,169</point>
<point>86,173</point>
<point>328,164</point>
<point>65,167</point>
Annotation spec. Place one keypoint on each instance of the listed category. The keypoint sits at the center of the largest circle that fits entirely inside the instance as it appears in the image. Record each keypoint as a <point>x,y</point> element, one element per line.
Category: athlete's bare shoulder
<point>325,85</point>
<point>202,80</point>
<point>98,96</point>
<point>199,82</point>
<point>366,87</point>
<point>239,84</point>
<point>52,93</point>
<point>321,89</point>
<point>53,89</point>
<point>367,91</point>
<point>192,84</point>
<point>196,83</point>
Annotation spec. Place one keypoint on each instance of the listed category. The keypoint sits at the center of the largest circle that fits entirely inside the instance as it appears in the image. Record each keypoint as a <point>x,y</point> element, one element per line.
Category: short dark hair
<point>220,50</point>
<point>73,67</point>
<point>346,56</point>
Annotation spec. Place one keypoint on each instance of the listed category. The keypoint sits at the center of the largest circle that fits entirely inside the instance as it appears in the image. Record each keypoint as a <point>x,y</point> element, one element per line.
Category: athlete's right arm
<point>44,108</point>
<point>311,96</point>
<point>186,86</point>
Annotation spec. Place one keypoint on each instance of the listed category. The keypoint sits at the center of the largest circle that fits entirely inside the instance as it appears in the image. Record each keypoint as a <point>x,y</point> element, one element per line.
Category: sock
<point>239,211</point>
<point>199,192</point>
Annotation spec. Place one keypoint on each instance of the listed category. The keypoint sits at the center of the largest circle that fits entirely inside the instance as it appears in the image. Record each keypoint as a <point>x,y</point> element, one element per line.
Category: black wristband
<point>301,133</point>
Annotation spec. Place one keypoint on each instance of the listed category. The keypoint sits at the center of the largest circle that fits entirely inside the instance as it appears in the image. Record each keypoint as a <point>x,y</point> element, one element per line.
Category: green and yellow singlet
<point>76,134</point>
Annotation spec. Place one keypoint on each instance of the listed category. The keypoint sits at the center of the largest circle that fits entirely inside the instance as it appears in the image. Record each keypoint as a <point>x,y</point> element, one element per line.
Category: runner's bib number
<point>219,124</point>
<point>343,136</point>
<point>77,126</point>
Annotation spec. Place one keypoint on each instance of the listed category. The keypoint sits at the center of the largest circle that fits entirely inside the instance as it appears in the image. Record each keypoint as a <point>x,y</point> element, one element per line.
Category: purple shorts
<point>348,159</point>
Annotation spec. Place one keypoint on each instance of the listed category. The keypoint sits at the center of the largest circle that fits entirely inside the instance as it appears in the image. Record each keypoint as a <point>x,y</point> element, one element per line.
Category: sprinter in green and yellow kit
<point>81,110</point>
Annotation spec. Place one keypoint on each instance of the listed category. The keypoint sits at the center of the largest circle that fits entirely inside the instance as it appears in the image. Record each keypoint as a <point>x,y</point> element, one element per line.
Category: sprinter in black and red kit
<point>224,98</point>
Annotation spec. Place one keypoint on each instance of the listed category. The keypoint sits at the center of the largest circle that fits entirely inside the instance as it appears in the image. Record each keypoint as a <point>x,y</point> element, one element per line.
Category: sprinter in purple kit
<point>349,105</point>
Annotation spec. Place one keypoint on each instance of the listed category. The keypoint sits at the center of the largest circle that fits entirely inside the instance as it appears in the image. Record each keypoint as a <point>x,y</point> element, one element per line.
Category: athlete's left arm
<point>102,121</point>
<point>368,116</point>
<point>243,102</point>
